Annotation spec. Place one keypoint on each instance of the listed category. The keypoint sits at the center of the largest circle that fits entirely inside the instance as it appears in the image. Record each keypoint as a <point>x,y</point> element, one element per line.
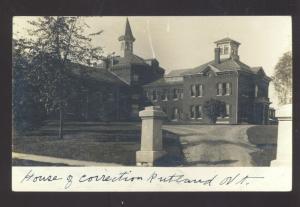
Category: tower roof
<point>128,33</point>
<point>227,39</point>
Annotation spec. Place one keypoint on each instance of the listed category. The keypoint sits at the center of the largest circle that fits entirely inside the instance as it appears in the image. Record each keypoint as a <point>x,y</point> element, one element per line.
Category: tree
<point>213,108</point>
<point>58,41</point>
<point>27,110</point>
<point>282,78</point>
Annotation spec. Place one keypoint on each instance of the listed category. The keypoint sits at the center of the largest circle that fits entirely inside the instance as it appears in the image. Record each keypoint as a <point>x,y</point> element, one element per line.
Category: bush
<point>213,108</point>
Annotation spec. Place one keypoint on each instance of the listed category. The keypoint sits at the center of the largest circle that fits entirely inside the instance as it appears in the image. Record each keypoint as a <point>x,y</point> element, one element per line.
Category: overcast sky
<point>186,42</point>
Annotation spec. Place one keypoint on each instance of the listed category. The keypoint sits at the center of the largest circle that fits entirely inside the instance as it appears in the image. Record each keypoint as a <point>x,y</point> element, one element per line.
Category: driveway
<point>215,145</point>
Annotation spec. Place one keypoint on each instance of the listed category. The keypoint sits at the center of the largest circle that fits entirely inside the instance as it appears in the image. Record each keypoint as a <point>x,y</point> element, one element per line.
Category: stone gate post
<point>284,139</point>
<point>151,139</point>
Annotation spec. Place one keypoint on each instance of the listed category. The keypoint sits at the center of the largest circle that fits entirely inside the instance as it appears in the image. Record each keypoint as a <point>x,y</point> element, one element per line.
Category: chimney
<point>217,55</point>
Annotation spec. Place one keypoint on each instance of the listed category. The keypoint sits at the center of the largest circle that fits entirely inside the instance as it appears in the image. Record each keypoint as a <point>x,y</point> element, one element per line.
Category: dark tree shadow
<point>174,154</point>
<point>265,139</point>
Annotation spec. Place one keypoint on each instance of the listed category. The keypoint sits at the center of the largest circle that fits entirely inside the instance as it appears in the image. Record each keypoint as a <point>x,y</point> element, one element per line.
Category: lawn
<point>88,141</point>
<point>186,145</point>
<point>91,141</point>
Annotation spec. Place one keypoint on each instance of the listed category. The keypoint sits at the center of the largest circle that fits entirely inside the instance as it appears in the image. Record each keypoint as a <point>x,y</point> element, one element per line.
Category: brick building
<point>243,89</point>
<point>135,82</point>
<point>114,90</point>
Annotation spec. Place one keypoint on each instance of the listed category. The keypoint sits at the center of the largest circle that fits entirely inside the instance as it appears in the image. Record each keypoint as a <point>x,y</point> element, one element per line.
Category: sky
<point>186,42</point>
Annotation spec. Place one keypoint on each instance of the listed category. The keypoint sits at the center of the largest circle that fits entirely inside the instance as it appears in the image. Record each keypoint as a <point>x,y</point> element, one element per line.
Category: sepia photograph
<point>149,91</point>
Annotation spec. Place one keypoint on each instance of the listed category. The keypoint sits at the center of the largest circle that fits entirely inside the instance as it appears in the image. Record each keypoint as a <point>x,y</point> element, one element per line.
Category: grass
<point>82,141</point>
<point>188,145</point>
<point>91,141</point>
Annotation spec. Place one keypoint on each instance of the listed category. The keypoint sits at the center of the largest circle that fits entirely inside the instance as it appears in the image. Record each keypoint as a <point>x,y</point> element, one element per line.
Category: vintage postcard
<point>169,103</point>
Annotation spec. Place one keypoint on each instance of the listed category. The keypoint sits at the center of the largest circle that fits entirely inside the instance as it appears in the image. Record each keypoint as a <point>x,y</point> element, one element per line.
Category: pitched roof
<point>128,33</point>
<point>178,72</point>
<point>98,74</point>
<point>166,81</point>
<point>129,59</point>
<point>227,39</point>
<point>224,65</point>
<point>256,69</point>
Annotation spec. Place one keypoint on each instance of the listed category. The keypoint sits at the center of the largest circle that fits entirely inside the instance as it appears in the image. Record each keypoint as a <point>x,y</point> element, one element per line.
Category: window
<point>198,112</point>
<point>192,112</point>
<point>181,94</point>
<point>175,93</point>
<point>228,89</point>
<point>175,114</point>
<point>228,110</point>
<point>154,95</point>
<point>147,94</point>
<point>256,90</point>
<point>223,89</point>
<point>193,90</point>
<point>219,89</point>
<point>164,95</point>
<point>199,90</point>
<point>233,51</point>
<point>135,77</point>
<point>226,49</point>
<point>221,51</point>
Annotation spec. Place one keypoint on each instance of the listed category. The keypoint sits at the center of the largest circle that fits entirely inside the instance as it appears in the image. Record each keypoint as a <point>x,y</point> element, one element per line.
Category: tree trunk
<point>61,105</point>
<point>61,121</point>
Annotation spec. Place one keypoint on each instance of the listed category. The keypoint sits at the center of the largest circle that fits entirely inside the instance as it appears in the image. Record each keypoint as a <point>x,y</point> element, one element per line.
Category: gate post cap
<point>152,111</point>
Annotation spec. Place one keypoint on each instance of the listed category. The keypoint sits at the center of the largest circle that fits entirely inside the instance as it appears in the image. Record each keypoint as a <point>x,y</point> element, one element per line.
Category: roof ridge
<point>115,75</point>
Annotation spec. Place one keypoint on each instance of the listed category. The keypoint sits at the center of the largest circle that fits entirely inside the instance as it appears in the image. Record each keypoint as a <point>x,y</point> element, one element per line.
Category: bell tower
<point>127,40</point>
<point>228,48</point>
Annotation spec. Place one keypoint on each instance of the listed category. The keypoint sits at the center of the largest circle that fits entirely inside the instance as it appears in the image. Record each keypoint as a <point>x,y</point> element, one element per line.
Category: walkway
<point>55,160</point>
